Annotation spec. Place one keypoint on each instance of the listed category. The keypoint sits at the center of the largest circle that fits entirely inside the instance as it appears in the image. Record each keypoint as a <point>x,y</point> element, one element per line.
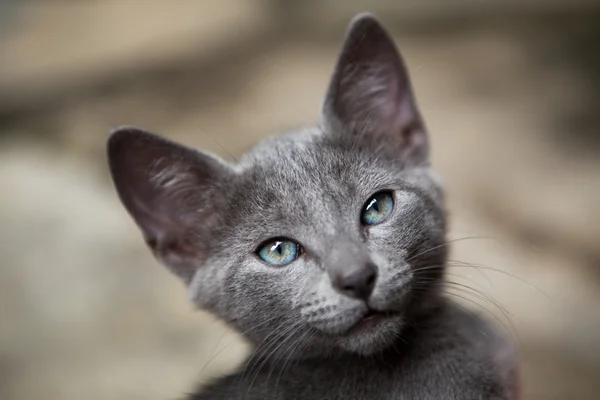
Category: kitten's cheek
<point>389,299</point>
<point>391,294</point>
<point>392,283</point>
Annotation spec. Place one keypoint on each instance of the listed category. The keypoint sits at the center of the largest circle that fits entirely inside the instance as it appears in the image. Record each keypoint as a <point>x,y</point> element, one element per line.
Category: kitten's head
<point>313,240</point>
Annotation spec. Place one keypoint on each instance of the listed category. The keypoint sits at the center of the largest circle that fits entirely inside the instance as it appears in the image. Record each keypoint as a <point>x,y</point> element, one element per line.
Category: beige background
<point>510,92</point>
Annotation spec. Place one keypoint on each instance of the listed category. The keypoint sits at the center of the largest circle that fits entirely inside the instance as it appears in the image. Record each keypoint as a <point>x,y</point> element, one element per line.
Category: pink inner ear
<point>164,233</point>
<point>154,224</point>
<point>182,247</point>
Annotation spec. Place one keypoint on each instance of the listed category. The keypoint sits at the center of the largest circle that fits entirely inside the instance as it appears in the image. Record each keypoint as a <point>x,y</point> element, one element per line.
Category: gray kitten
<point>324,247</point>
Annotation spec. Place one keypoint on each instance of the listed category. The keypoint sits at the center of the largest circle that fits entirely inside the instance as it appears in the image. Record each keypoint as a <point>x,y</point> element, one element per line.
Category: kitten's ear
<point>172,192</point>
<point>370,92</point>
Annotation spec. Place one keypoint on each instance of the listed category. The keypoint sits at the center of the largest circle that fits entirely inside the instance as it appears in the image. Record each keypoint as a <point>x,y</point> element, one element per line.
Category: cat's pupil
<point>277,248</point>
<point>376,205</point>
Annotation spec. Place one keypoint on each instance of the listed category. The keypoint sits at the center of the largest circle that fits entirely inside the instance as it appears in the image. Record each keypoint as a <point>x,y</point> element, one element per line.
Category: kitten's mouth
<point>369,321</point>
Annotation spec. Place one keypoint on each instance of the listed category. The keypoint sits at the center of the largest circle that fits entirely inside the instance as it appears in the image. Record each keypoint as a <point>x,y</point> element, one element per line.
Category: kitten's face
<point>314,241</point>
<point>312,191</point>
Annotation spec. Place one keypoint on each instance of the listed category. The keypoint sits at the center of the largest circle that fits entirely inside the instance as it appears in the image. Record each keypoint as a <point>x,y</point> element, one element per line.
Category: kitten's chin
<point>372,334</point>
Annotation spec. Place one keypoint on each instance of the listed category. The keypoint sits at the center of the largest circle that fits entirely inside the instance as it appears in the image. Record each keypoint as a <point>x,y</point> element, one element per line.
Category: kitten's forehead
<point>311,157</point>
<point>306,179</point>
<point>291,181</point>
<point>293,172</point>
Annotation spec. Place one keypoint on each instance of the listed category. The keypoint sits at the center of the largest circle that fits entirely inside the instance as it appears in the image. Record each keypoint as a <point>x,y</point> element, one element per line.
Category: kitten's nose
<point>357,282</point>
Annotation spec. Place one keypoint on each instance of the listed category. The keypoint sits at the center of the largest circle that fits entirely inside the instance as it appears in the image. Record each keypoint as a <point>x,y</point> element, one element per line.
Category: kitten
<point>324,247</point>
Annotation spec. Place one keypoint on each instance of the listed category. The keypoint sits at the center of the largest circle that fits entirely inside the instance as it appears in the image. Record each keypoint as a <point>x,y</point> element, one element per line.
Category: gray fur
<point>205,220</point>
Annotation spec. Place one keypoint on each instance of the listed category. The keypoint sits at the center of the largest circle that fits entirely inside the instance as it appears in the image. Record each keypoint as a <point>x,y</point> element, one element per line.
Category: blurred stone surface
<point>85,312</point>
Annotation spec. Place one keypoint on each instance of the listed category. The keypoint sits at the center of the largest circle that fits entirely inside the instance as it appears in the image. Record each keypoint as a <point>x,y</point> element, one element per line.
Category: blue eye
<point>377,208</point>
<point>279,252</point>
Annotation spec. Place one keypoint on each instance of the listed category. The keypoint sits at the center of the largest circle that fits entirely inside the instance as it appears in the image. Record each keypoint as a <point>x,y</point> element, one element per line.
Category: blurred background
<point>510,90</point>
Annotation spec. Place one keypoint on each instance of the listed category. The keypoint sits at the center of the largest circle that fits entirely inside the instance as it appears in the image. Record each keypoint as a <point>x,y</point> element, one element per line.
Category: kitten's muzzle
<point>369,321</point>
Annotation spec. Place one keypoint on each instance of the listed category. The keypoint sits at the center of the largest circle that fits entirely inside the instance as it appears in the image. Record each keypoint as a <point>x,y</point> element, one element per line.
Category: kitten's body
<point>356,311</point>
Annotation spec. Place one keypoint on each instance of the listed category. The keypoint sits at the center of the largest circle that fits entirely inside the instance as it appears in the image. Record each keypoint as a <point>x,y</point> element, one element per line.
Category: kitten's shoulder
<point>240,386</point>
<point>481,335</point>
<point>461,336</point>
